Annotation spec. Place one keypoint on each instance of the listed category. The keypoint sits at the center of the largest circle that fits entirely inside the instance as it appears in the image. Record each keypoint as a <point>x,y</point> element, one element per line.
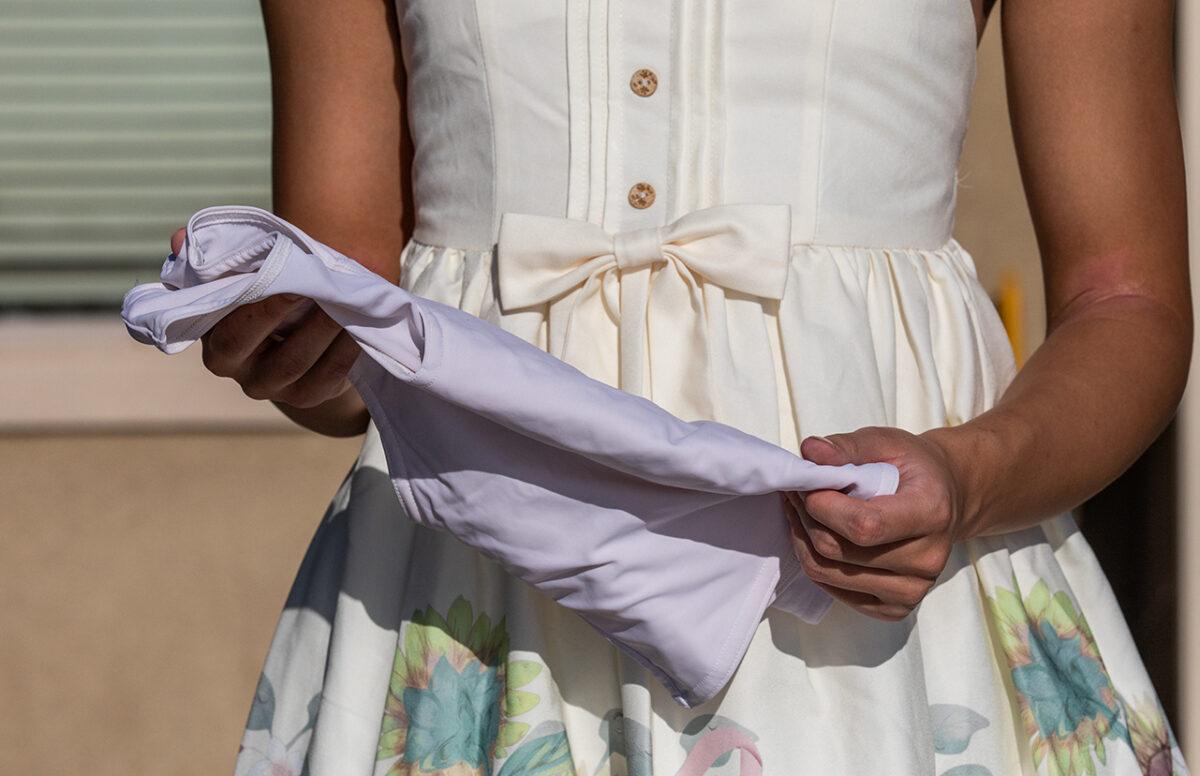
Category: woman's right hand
<point>305,368</point>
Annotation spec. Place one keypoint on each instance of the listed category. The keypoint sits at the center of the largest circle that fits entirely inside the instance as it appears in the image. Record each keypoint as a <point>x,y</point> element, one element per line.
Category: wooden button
<point>641,196</point>
<point>644,82</point>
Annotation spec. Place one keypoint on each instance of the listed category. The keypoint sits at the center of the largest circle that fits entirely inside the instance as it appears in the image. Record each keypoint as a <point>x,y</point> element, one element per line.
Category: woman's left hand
<point>880,556</point>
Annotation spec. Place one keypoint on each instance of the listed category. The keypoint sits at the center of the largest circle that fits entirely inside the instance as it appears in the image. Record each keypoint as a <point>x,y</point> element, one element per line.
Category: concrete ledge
<point>63,373</point>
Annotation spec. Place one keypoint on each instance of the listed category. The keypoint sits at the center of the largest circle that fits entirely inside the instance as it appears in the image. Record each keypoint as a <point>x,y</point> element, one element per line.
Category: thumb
<point>825,450</point>
<point>177,241</point>
<point>861,446</point>
<point>867,444</point>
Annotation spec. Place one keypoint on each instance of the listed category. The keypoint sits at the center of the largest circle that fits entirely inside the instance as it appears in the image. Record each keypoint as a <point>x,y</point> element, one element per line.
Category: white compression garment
<point>667,536</point>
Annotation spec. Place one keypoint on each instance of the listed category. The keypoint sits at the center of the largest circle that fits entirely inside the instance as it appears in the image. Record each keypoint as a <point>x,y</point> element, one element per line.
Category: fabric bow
<point>658,274</point>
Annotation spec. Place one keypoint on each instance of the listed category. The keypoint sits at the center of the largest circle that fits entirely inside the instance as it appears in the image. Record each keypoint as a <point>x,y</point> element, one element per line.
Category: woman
<point>975,632</point>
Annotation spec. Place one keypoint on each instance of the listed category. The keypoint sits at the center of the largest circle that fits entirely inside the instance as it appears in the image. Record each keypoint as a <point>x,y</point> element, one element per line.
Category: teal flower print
<point>456,701</point>
<point>455,719</point>
<point>1067,701</point>
<point>1066,687</point>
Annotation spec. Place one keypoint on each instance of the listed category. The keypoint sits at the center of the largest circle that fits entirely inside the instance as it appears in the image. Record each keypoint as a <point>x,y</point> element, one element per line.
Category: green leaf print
<point>522,672</point>
<point>509,735</point>
<point>548,755</point>
<point>517,702</point>
<point>459,619</point>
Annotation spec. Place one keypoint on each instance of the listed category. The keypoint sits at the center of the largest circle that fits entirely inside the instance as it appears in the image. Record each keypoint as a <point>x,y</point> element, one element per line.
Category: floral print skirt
<point>400,651</point>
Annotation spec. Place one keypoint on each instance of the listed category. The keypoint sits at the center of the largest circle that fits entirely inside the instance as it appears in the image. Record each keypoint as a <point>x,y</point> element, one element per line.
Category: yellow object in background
<point>1010,302</point>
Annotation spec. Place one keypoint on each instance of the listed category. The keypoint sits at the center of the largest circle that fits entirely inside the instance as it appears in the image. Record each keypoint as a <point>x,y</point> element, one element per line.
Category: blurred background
<point>138,606</point>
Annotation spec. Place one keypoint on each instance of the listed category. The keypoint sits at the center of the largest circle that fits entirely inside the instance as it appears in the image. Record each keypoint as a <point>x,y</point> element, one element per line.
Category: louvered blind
<point>119,118</point>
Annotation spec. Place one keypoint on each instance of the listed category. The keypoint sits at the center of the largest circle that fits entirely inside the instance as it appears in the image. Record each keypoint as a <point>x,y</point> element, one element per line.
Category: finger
<point>793,499</point>
<point>793,505</point>
<point>177,240</point>
<point>822,450</point>
<point>865,445</point>
<point>872,522</point>
<point>327,377</point>
<point>921,557</point>
<point>241,334</point>
<point>888,587</point>
<point>868,604</point>
<point>285,362</point>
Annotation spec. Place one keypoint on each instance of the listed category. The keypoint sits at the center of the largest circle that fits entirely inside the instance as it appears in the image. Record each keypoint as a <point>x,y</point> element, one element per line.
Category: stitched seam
<point>824,116</point>
<point>236,214</point>
<point>239,256</point>
<point>949,245</point>
<point>735,643</point>
<point>667,680</point>
<point>267,275</point>
<point>675,78</point>
<point>597,89</point>
<point>431,357</point>
<point>616,125</point>
<point>579,121</point>
<point>487,91</point>
<point>965,114</point>
<point>715,108</point>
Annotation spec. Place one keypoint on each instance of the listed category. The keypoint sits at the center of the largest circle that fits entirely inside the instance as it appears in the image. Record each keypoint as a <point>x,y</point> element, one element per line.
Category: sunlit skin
<point>343,182</point>
<point>1091,93</point>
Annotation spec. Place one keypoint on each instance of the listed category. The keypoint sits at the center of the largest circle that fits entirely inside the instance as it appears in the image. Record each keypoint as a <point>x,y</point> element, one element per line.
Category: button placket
<point>640,69</point>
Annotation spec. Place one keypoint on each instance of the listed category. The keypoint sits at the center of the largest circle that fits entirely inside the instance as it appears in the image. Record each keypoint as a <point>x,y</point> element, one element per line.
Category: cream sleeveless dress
<point>400,651</point>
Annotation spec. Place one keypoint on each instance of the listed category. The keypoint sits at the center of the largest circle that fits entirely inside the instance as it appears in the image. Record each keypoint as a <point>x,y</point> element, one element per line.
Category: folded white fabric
<point>667,536</point>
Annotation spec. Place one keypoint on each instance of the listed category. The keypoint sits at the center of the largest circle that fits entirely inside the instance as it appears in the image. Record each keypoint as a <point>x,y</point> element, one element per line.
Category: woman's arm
<point>340,173</point>
<point>1097,135</point>
<point>1091,90</point>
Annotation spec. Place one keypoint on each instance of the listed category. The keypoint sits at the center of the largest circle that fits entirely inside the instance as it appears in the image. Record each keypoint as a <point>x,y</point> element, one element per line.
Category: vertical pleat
<point>919,404</point>
<point>745,374</point>
<point>901,337</point>
<point>578,110</point>
<point>697,150</point>
<point>829,327</point>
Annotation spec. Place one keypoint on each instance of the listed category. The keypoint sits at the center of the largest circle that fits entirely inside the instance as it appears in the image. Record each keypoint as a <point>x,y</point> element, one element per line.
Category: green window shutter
<point>118,119</point>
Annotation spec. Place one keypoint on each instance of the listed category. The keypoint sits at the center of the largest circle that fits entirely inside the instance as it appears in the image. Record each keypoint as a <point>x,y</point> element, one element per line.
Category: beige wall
<point>138,607</point>
<point>138,604</point>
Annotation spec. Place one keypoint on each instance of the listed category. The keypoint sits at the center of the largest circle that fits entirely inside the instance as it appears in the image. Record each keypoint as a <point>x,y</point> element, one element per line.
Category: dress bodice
<point>630,115</point>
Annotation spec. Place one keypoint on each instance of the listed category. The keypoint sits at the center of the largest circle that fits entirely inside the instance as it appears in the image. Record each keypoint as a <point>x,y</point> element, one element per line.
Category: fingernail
<point>826,440</point>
